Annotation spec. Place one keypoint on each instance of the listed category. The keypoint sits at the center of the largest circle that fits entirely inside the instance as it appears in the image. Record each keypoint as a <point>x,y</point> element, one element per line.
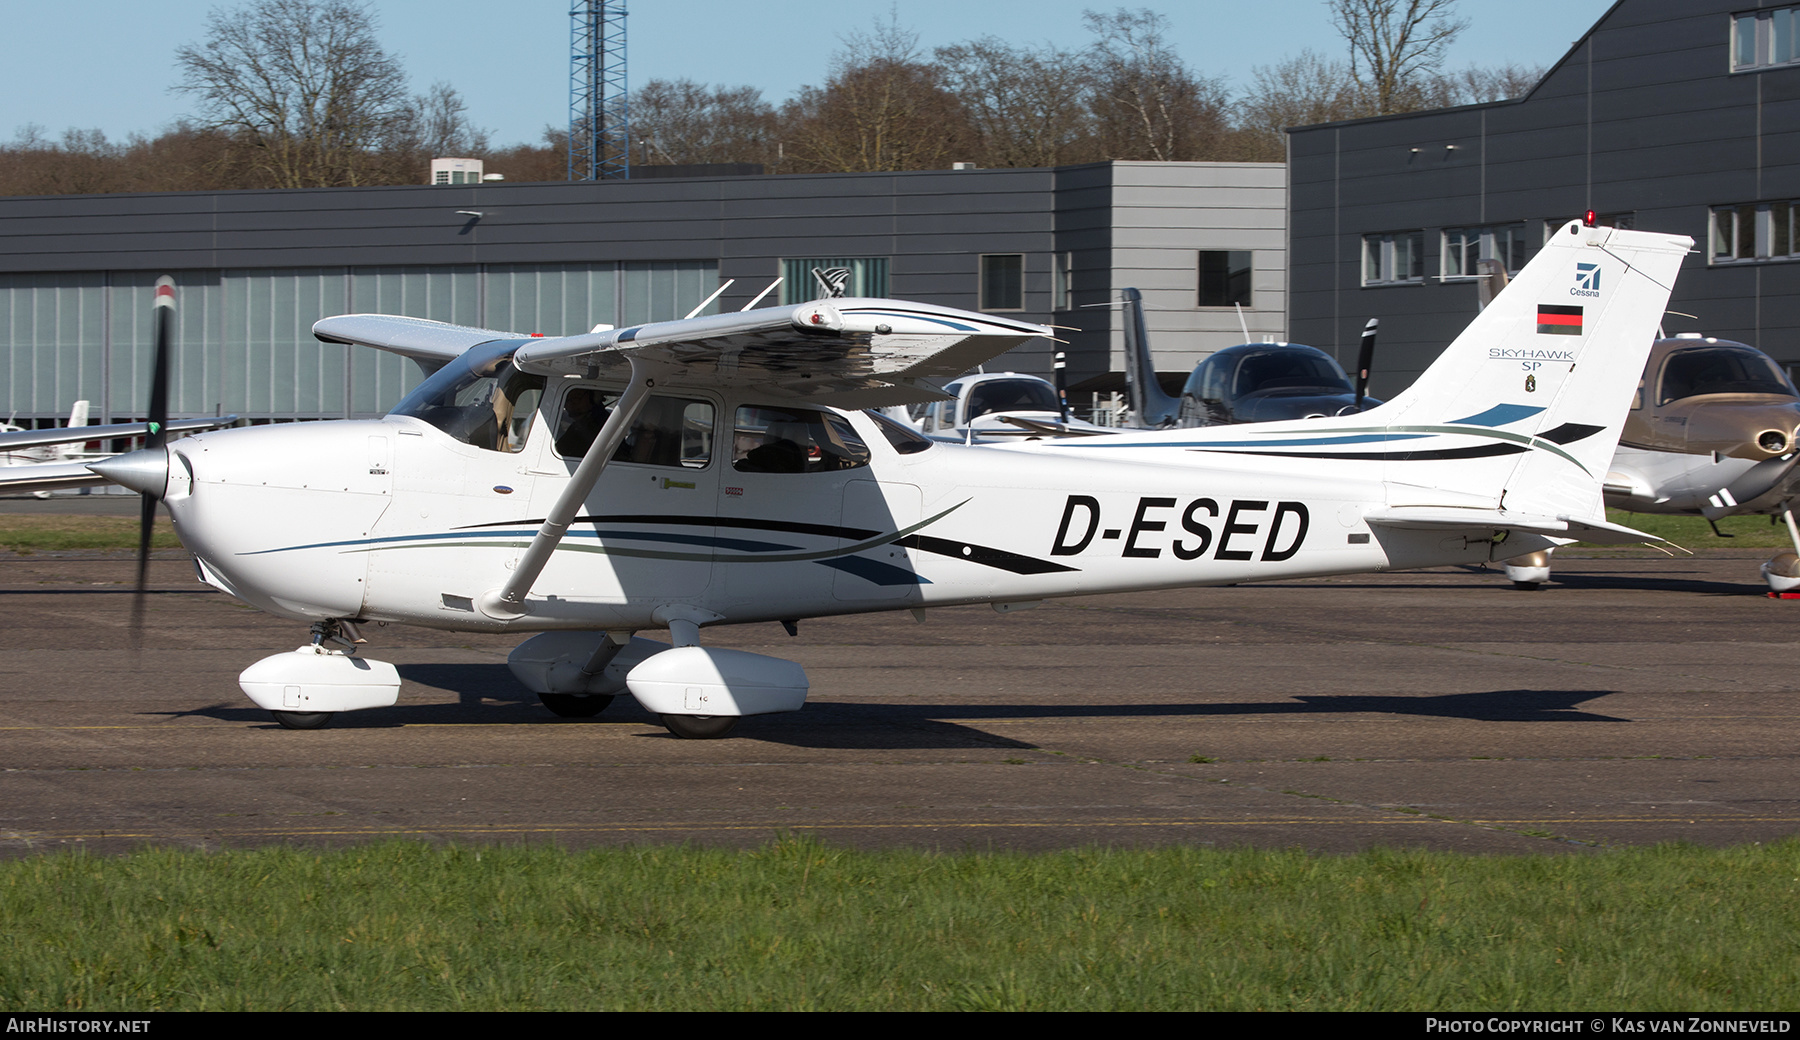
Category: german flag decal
<point>1559,321</point>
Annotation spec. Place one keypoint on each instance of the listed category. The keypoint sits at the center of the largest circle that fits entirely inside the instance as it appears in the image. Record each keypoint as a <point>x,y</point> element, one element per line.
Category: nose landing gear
<point>305,687</point>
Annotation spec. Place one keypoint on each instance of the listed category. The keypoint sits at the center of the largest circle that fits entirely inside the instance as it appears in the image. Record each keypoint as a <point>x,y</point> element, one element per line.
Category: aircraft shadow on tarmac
<point>1563,577</point>
<point>488,695</point>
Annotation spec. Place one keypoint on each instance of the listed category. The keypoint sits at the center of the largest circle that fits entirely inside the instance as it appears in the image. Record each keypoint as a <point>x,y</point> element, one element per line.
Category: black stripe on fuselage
<point>1480,451</point>
<point>1570,432</point>
<point>986,555</point>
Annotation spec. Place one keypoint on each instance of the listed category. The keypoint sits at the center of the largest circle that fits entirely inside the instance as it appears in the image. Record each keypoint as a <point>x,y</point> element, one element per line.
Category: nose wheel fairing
<point>315,679</point>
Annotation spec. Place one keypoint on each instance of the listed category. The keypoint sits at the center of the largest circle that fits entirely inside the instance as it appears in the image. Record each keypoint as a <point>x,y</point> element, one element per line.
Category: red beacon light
<point>1589,219</point>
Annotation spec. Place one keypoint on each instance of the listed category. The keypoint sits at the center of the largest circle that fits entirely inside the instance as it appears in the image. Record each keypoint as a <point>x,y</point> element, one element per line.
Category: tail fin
<point>78,417</point>
<point>1150,407</point>
<point>1541,380</point>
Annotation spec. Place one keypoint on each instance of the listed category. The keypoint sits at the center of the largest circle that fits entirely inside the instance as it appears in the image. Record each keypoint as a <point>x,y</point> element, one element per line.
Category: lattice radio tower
<point>599,124</point>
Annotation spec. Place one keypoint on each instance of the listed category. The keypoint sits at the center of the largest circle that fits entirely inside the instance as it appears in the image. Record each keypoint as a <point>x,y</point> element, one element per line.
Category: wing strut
<point>507,602</point>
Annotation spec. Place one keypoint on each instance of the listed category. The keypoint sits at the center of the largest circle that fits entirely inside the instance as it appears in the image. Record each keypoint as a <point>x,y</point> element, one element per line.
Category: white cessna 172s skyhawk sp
<point>701,472</point>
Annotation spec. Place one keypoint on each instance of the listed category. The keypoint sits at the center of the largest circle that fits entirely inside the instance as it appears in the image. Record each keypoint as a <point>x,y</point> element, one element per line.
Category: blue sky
<point>107,64</point>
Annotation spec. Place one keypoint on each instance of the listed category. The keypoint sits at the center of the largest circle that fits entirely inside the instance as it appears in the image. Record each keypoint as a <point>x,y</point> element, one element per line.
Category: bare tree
<point>1027,108</point>
<point>882,109</point>
<point>1477,84</point>
<point>1147,103</point>
<point>681,121</point>
<point>1300,91</point>
<point>303,83</point>
<point>440,123</point>
<point>1398,44</point>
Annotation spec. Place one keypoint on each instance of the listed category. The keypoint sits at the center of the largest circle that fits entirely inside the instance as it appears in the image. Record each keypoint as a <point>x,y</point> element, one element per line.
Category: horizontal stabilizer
<point>1599,532</point>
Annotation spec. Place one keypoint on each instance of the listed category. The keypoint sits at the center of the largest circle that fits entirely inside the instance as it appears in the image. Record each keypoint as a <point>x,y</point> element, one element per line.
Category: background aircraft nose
<point>145,471</point>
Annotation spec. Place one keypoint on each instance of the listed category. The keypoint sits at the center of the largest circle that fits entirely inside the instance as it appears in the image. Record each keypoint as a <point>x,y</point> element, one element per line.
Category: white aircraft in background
<point>41,461</point>
<point>41,454</point>
<point>705,472</point>
<point>982,407</point>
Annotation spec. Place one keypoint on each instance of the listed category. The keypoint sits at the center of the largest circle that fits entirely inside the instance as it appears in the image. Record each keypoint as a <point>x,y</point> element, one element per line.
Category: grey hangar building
<point>255,269</point>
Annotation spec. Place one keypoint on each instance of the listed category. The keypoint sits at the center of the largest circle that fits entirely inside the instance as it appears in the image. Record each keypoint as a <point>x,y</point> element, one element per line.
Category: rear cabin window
<point>669,431</point>
<point>905,439</point>
<point>767,439</point>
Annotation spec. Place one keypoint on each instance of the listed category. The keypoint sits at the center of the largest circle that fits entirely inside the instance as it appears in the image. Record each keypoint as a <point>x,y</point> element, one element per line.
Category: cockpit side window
<point>669,431</point>
<point>769,439</point>
<point>480,399</point>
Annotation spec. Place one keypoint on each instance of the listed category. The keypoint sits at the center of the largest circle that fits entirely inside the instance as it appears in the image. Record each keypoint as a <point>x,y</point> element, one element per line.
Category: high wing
<point>15,440</point>
<point>853,353</point>
<point>430,343</point>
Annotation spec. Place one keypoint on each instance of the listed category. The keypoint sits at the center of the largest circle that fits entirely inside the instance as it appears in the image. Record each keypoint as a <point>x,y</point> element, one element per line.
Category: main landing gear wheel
<point>700,727</point>
<point>575,705</point>
<point>303,719</point>
<point>1528,586</point>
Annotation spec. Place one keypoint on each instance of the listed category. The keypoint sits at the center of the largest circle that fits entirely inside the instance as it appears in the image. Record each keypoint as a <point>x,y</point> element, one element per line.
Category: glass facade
<point>244,340</point>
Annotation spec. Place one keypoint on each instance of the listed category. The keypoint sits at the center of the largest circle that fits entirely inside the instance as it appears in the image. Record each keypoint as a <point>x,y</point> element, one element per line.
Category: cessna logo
<point>1587,280</point>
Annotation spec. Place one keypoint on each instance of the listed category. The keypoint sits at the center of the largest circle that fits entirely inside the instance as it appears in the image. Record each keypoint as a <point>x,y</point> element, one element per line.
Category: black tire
<point>1528,586</point>
<point>700,727</point>
<point>575,705</point>
<point>302,719</point>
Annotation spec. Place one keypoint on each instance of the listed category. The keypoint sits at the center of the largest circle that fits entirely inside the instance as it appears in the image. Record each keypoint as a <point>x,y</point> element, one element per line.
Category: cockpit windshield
<point>1277,369</point>
<point>480,398</point>
<point>1720,370</point>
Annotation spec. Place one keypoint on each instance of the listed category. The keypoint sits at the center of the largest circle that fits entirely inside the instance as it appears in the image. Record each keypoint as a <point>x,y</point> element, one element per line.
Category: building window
<point>1755,231</point>
<point>1464,248</point>
<point>1395,259</point>
<point>1224,277</point>
<point>1764,39</point>
<point>1003,282</point>
<point>804,281</point>
<point>1062,288</point>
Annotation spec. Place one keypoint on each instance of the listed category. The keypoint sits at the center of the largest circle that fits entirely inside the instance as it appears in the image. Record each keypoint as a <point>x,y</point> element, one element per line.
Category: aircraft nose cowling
<point>1743,430</point>
<point>145,471</point>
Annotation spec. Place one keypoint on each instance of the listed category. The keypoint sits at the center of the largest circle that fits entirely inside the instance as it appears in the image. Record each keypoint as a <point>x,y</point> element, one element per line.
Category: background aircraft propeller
<point>1364,358</point>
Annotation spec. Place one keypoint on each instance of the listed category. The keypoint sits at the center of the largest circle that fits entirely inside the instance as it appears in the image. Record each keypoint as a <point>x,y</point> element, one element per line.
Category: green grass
<point>1692,532</point>
<point>798,925</point>
<point>25,533</point>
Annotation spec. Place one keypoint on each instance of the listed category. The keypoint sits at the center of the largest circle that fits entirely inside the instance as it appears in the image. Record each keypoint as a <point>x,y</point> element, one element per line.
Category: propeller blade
<point>1365,358</point>
<point>162,310</point>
